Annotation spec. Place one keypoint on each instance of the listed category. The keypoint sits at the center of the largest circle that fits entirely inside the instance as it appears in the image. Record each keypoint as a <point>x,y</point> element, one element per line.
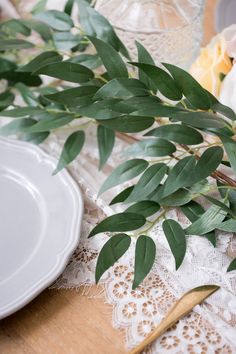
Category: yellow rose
<point>211,64</point>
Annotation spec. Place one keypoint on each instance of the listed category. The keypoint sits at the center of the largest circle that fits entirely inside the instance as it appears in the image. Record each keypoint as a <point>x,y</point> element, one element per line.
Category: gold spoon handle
<point>181,308</point>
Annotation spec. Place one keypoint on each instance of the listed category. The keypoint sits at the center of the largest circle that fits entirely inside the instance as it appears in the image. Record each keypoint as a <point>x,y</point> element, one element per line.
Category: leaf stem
<point>152,223</point>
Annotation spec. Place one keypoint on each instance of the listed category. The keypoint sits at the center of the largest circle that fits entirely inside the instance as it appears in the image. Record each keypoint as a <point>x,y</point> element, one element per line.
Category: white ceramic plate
<point>40,221</point>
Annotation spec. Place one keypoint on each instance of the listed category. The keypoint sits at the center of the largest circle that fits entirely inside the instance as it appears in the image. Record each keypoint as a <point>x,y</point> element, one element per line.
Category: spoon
<point>181,308</point>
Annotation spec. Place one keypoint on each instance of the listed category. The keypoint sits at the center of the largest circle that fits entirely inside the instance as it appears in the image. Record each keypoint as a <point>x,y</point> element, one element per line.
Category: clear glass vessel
<point>170,29</point>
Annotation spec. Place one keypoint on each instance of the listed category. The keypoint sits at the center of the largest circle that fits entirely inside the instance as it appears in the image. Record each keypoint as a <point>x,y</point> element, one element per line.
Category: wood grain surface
<point>65,321</point>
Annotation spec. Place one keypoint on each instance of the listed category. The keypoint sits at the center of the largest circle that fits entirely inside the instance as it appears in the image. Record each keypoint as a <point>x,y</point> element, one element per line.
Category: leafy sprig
<point>168,163</point>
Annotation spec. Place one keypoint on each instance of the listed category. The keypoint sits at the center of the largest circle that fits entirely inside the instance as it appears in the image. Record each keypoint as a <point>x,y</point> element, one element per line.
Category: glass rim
<point>165,30</point>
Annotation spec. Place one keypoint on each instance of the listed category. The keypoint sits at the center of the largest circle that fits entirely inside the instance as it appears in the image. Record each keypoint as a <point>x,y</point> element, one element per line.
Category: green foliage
<point>113,62</point>
<point>162,81</point>
<point>145,253</point>
<point>207,222</point>
<point>190,88</point>
<point>57,20</point>
<point>151,147</point>
<point>232,265</point>
<point>71,149</point>
<point>145,208</point>
<point>15,44</point>
<point>208,162</point>
<point>169,166</point>
<point>175,236</point>
<point>180,176</point>
<point>149,181</point>
<point>120,222</point>
<point>67,71</point>
<point>178,133</point>
<point>122,196</point>
<point>106,140</point>
<point>124,172</point>
<point>113,249</point>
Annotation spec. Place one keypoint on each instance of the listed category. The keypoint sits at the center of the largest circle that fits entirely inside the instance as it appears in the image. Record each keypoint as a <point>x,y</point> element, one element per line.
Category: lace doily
<point>209,329</point>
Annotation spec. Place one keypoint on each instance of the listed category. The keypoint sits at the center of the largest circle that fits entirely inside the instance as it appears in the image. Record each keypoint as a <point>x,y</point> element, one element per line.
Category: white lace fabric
<point>209,329</point>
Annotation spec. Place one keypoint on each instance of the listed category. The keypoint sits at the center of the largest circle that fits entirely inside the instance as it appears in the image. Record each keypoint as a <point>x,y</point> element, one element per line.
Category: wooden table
<point>65,321</point>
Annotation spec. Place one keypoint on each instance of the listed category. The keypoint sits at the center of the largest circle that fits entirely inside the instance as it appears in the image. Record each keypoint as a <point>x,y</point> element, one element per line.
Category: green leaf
<point>122,196</point>
<point>145,57</point>
<point>96,25</point>
<point>178,133</point>
<point>51,121</point>
<point>228,194</point>
<point>230,148</point>
<point>26,78</point>
<point>106,140</point>
<point>74,97</point>
<point>9,44</point>
<point>193,211</point>
<point>115,66</point>
<point>124,172</point>
<point>41,28</point>
<point>208,162</point>
<point>122,88</point>
<point>207,222</point>
<point>227,226</point>
<point>66,40</point>
<point>100,110</point>
<point>39,6</point>
<point>145,208</point>
<point>191,89</point>
<point>181,175</point>
<point>35,138</point>
<point>149,106</point>
<point>202,120</point>
<point>221,108</point>
<point>66,71</point>
<point>151,147</point>
<point>27,94</point>
<point>220,204</point>
<point>178,198</point>
<point>113,249</point>
<point>232,265</point>
<point>88,60</point>
<point>145,253</point>
<point>15,26</point>
<point>6,65</point>
<point>71,149</point>
<point>40,61</point>
<point>148,182</point>
<point>162,81</point>
<point>128,124</point>
<point>119,222</point>
<point>6,99</point>
<point>57,20</point>
<point>175,236</point>
<point>19,125</point>
<point>68,7</point>
<point>21,112</point>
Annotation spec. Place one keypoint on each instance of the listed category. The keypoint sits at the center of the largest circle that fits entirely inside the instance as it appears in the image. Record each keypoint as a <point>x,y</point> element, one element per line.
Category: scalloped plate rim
<point>63,257</point>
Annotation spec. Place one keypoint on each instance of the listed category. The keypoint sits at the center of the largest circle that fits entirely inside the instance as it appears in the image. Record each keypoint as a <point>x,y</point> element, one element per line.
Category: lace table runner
<point>209,329</point>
